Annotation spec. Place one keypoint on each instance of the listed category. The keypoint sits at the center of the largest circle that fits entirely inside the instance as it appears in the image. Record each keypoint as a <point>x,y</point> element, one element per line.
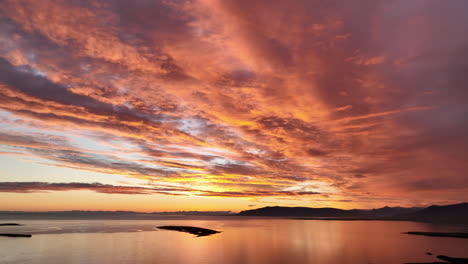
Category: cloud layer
<point>362,101</point>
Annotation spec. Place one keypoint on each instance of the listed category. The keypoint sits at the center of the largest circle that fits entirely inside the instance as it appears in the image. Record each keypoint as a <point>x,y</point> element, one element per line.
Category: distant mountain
<point>390,211</point>
<point>454,213</point>
<point>77,214</point>
<point>299,212</point>
<point>328,212</point>
<point>207,213</point>
<point>450,214</point>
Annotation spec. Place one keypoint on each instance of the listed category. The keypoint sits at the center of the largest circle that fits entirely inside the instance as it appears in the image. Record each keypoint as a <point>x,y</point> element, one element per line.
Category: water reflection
<point>241,241</point>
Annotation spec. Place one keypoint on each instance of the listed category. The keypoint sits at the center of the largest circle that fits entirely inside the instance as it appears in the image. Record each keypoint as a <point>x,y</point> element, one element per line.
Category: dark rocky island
<point>13,235</point>
<point>16,235</point>
<point>454,260</point>
<point>198,231</point>
<point>448,260</point>
<point>439,234</point>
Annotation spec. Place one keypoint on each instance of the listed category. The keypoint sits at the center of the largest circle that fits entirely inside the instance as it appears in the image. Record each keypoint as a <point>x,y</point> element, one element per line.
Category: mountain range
<point>80,214</point>
<point>450,214</point>
<point>279,211</point>
<point>455,213</point>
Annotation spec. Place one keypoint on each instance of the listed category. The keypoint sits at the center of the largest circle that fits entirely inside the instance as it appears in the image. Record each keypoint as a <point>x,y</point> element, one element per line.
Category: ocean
<point>242,240</point>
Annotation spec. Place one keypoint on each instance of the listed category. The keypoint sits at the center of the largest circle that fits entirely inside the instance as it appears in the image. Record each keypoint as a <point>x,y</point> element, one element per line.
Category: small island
<point>10,224</point>
<point>16,235</point>
<point>198,231</point>
<point>453,260</point>
<point>449,260</point>
<point>438,234</point>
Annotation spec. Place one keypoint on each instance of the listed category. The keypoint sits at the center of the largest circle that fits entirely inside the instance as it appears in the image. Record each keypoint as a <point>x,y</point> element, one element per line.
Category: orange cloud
<point>241,98</point>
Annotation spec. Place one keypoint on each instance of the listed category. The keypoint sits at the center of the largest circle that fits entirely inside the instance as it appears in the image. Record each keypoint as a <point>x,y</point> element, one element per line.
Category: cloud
<point>34,187</point>
<point>241,96</point>
<point>30,187</point>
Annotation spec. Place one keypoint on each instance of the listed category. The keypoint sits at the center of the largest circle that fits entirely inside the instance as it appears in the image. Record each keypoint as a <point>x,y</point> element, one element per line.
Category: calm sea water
<point>241,241</point>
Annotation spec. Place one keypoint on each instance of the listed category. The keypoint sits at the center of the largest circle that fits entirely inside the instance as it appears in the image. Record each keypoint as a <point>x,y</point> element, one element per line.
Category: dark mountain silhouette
<point>327,212</point>
<point>390,211</point>
<point>454,213</point>
<point>78,214</point>
<point>300,212</point>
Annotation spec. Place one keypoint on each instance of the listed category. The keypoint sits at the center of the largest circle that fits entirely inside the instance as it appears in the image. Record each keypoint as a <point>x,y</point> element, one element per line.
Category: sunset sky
<point>168,105</point>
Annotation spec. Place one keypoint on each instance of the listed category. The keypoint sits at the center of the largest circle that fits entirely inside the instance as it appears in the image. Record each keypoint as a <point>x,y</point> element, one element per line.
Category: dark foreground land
<point>13,235</point>
<point>198,231</point>
<point>454,260</point>
<point>448,260</point>
<point>439,234</point>
<point>9,224</point>
<point>16,235</point>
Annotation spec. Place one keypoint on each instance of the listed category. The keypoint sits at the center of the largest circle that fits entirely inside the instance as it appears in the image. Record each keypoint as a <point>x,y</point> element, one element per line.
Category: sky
<point>160,105</point>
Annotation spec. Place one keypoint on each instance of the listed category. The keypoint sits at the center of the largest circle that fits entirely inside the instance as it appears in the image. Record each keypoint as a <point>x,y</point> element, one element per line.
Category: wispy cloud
<point>241,98</point>
<point>32,187</point>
